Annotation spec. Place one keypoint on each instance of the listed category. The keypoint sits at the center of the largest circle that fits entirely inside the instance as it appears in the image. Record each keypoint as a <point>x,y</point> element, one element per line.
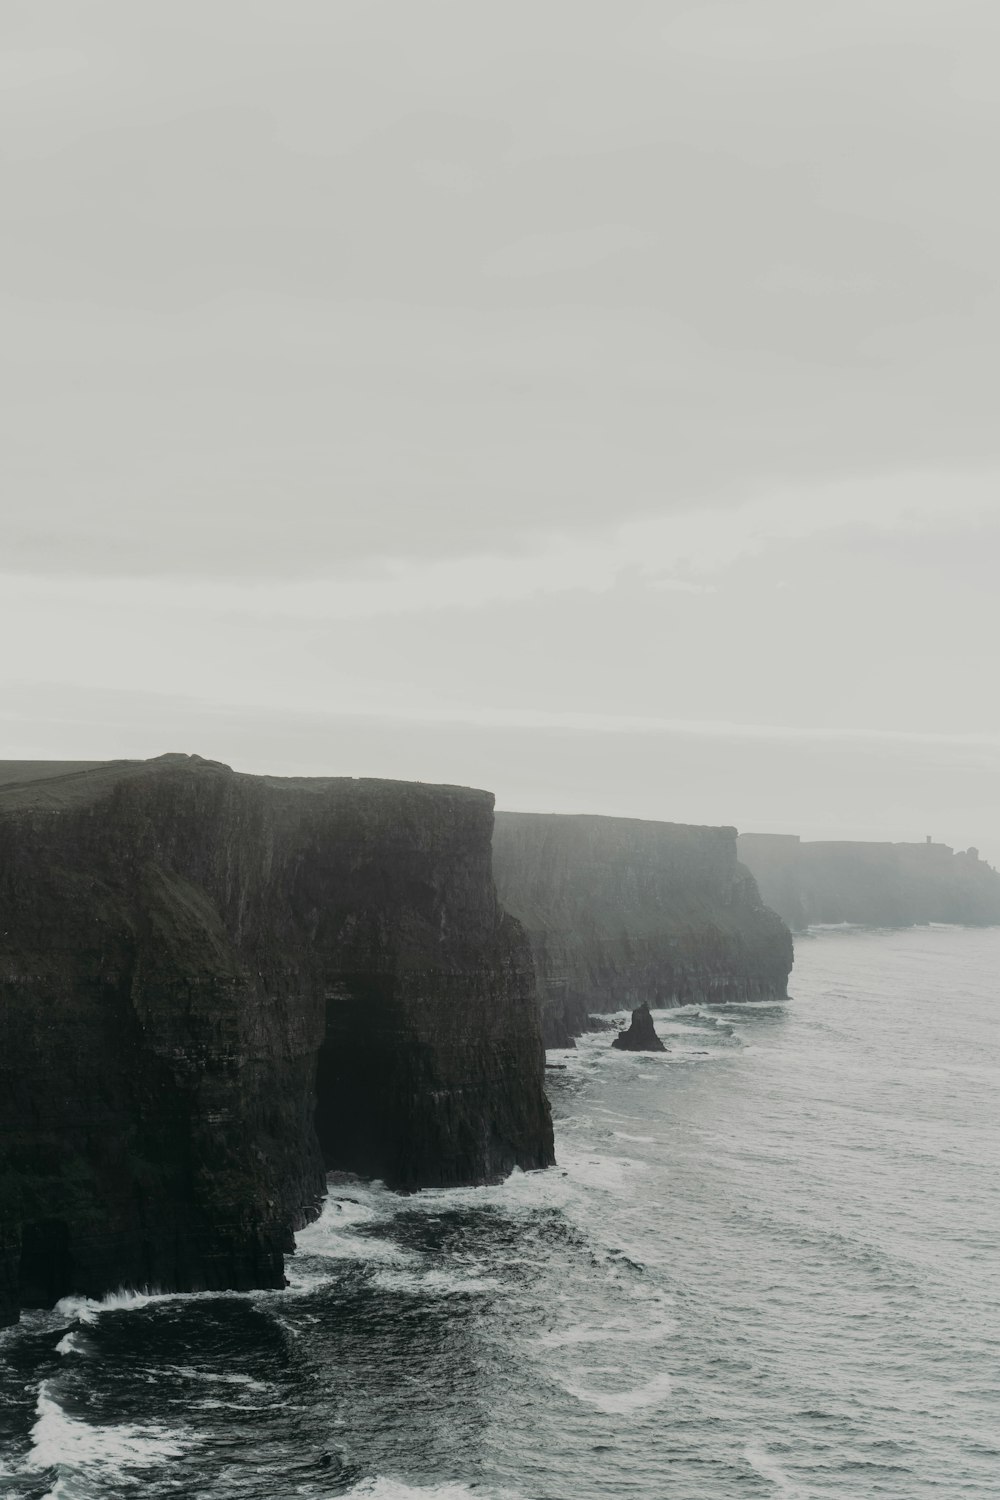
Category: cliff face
<point>877,885</point>
<point>214,987</point>
<point>621,912</point>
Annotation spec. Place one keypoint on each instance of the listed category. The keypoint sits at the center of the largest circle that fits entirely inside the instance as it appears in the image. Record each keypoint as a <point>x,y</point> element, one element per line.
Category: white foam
<point>434,1283</point>
<point>395,1489</point>
<point>611,1174</point>
<point>621,1403</point>
<point>124,1299</point>
<point>98,1453</point>
<point>70,1343</point>
<point>521,1192</point>
<point>619,1332</point>
<point>329,1242</point>
<point>764,1464</point>
<point>640,1140</point>
<point>335,1237</point>
<point>233,1377</point>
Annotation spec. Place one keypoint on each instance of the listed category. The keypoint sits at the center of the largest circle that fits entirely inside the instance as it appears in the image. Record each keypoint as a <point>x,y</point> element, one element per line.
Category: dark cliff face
<point>622,912</point>
<point>214,987</point>
<point>877,885</point>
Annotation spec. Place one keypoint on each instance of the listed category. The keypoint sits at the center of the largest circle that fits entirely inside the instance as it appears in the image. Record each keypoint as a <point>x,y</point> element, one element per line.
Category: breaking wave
<point>746,1275</point>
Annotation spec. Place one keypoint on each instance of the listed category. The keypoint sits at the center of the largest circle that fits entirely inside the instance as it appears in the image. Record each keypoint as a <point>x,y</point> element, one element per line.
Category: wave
<point>70,1343</point>
<point>91,1459</point>
<point>608,1333</point>
<point>769,1469</point>
<point>372,1207</point>
<point>396,1489</point>
<point>763,1463</point>
<point>620,1403</point>
<point>435,1283</point>
<point>343,1233</point>
<point>611,1174</point>
<point>80,1309</point>
<point>214,1377</point>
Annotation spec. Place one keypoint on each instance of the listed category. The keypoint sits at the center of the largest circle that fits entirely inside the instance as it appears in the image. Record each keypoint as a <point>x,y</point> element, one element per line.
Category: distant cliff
<point>214,987</point>
<point>622,912</point>
<point>876,885</point>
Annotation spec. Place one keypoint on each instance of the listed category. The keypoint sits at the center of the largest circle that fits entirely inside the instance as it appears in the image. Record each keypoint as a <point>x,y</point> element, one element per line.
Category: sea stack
<point>641,1035</point>
<point>621,912</point>
<point>216,987</point>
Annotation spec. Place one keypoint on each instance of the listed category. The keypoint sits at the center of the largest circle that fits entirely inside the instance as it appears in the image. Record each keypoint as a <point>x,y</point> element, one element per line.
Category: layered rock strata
<point>875,885</point>
<point>622,912</point>
<point>216,987</point>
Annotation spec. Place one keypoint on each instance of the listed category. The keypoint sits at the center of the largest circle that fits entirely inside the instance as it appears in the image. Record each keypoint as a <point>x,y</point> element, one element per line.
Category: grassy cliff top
<point>59,784</point>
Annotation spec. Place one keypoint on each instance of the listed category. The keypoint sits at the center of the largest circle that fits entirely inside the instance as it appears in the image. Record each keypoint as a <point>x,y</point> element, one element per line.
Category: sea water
<point>767,1265</point>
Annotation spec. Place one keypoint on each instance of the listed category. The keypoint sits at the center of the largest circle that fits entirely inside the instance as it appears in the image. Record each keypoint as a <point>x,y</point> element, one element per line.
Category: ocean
<point>766,1265</point>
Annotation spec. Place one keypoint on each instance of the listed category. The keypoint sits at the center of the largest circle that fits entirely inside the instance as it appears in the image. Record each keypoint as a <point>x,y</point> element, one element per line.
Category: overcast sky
<point>594,400</point>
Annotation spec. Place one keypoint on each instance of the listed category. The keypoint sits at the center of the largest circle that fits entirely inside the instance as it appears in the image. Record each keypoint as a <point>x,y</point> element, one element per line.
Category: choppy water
<point>768,1265</point>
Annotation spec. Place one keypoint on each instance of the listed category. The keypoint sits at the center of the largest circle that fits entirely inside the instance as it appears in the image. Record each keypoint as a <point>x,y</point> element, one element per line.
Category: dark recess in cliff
<point>622,912</point>
<point>875,885</point>
<point>216,986</point>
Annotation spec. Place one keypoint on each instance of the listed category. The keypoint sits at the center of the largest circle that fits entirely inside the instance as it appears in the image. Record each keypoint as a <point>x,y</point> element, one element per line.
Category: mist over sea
<point>766,1266</point>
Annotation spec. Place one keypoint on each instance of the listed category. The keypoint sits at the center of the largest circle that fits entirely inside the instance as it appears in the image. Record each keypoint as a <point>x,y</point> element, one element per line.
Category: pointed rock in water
<point>641,1035</point>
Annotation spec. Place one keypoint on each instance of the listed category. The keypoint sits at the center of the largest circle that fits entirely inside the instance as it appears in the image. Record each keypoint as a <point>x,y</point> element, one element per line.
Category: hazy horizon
<point>590,402</point>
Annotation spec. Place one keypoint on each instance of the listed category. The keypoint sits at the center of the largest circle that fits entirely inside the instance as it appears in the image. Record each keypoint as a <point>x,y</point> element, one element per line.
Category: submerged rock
<point>641,1035</point>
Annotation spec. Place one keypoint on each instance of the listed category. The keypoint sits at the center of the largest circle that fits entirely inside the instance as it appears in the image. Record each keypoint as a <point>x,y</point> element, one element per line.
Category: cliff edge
<point>621,912</point>
<point>216,987</point>
<point>869,884</point>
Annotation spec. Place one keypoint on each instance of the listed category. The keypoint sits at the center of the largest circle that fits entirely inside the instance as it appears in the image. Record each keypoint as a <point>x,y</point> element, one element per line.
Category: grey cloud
<point>803,284</point>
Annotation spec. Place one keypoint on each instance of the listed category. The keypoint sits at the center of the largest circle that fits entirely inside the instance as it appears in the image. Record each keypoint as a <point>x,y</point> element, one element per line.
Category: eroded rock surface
<point>215,987</point>
<point>622,912</point>
<point>641,1035</point>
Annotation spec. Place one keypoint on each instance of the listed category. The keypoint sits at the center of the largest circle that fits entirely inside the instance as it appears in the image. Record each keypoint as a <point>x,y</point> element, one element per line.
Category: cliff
<point>876,885</point>
<point>622,912</point>
<point>215,987</point>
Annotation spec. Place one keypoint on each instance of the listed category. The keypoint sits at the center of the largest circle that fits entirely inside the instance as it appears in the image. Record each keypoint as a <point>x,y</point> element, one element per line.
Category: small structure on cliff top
<point>641,1035</point>
<point>871,884</point>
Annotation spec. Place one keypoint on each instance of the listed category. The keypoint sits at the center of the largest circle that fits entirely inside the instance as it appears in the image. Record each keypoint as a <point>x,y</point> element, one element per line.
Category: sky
<point>592,400</point>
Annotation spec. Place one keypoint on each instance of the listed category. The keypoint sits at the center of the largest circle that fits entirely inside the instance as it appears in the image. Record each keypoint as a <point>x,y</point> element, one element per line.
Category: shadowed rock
<point>622,912</point>
<point>641,1035</point>
<point>214,988</point>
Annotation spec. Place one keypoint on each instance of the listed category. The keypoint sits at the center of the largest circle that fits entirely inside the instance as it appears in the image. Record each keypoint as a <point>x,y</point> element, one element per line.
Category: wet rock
<point>641,1035</point>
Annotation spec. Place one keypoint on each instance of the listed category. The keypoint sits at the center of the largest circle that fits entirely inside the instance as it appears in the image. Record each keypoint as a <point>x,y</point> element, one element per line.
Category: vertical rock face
<point>622,912</point>
<point>214,987</point>
<point>879,885</point>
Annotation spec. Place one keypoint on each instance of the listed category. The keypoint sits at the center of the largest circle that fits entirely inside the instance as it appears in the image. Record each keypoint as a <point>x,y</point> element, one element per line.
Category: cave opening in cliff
<point>46,1268</point>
